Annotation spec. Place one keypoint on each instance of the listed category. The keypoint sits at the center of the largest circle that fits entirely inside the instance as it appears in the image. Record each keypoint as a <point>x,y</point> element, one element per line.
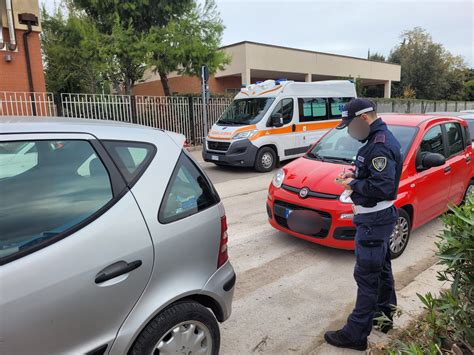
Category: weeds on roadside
<point>447,325</point>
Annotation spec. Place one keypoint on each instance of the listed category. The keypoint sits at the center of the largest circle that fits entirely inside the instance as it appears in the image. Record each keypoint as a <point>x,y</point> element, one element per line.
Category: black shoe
<point>384,326</point>
<point>341,340</point>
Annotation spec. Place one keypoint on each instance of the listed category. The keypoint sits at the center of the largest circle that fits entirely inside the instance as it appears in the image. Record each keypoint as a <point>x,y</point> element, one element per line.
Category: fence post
<point>455,106</point>
<point>191,120</point>
<point>133,106</point>
<point>446,106</point>
<point>59,105</point>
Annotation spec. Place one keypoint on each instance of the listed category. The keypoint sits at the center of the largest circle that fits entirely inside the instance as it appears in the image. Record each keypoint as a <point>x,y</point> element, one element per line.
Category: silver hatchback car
<point>112,241</point>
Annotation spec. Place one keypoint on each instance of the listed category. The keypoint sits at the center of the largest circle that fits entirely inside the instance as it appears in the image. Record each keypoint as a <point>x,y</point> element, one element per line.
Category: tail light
<point>223,256</point>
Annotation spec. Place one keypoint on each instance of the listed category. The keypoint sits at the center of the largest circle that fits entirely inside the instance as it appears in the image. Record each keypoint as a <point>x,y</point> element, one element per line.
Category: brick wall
<point>188,84</point>
<point>13,75</point>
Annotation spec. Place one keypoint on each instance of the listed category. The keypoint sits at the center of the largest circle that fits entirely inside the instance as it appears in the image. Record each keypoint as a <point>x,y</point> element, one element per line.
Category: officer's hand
<point>346,175</point>
<point>346,183</point>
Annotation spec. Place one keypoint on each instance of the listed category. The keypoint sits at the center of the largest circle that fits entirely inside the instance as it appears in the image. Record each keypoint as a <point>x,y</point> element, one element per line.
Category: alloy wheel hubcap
<point>470,191</point>
<point>267,160</point>
<point>399,237</point>
<point>186,338</point>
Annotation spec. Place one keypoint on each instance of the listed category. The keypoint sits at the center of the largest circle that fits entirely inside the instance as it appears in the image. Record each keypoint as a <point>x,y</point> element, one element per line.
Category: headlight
<point>278,178</point>
<point>245,134</point>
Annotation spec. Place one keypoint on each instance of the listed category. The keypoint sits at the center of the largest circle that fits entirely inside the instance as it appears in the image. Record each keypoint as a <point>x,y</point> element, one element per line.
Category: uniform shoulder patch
<point>379,163</point>
<point>380,138</point>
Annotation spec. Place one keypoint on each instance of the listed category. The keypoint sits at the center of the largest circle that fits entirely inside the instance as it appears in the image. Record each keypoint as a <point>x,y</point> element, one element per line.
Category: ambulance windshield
<point>245,111</point>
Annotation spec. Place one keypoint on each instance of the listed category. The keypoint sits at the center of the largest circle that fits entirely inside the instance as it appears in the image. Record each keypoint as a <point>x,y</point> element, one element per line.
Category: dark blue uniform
<point>377,175</point>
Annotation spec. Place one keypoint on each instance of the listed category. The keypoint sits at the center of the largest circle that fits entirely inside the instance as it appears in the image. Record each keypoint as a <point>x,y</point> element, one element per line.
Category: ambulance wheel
<point>266,160</point>
<point>400,235</point>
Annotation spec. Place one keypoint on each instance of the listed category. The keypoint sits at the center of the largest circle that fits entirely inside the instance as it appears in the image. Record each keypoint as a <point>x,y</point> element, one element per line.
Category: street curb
<point>410,305</point>
<point>194,148</point>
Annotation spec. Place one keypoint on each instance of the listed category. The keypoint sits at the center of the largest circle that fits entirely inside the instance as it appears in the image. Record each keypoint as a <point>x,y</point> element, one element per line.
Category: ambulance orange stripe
<point>299,128</point>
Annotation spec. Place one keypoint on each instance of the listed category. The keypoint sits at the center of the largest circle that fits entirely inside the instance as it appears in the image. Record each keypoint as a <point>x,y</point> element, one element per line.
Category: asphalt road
<point>289,291</point>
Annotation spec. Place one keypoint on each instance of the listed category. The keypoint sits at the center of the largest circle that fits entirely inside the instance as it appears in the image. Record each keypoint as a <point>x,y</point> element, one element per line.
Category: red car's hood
<point>316,175</point>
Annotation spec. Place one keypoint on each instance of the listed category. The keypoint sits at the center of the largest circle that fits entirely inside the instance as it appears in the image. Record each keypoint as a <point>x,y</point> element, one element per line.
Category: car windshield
<point>338,146</point>
<point>245,111</point>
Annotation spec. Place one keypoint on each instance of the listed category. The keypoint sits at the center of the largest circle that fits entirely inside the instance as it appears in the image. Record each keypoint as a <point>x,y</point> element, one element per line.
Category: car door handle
<point>447,169</point>
<point>293,127</point>
<point>124,268</point>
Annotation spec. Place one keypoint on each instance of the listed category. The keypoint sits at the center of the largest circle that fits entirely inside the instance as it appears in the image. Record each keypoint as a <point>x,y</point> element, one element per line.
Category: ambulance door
<point>284,137</point>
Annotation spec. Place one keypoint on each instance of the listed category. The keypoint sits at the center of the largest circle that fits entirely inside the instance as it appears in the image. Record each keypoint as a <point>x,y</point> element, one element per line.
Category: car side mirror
<point>426,161</point>
<point>276,120</point>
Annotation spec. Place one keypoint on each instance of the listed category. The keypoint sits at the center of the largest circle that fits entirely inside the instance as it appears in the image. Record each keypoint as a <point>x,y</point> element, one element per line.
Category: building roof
<point>302,50</point>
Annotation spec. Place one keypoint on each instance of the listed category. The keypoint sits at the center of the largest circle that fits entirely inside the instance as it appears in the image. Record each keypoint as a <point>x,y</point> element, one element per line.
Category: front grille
<point>218,146</point>
<point>321,195</point>
<point>279,207</point>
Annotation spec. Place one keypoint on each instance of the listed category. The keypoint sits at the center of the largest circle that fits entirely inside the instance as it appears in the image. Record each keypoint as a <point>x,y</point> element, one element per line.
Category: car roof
<point>415,119</point>
<point>101,129</point>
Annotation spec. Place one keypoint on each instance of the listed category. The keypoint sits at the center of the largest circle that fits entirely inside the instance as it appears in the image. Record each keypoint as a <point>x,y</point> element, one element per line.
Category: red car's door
<point>458,162</point>
<point>432,185</point>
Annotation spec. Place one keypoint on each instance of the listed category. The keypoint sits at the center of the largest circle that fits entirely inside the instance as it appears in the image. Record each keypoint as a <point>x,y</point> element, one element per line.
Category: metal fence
<point>26,104</point>
<point>178,114</point>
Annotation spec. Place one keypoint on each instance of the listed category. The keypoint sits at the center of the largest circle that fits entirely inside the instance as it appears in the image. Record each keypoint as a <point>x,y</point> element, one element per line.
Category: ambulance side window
<point>312,109</point>
<point>337,104</point>
<point>285,107</point>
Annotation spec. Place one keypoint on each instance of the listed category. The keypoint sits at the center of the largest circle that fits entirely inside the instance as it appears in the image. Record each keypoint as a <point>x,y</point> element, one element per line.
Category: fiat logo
<point>304,192</point>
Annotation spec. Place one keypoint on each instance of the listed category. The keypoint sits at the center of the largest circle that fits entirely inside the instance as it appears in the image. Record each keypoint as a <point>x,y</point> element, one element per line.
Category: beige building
<point>253,62</point>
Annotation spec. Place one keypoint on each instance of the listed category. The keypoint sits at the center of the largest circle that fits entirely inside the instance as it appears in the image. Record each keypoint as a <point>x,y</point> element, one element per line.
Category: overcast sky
<point>346,26</point>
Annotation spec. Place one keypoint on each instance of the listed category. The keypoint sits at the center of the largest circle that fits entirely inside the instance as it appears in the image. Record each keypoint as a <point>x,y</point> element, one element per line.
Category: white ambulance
<point>272,121</point>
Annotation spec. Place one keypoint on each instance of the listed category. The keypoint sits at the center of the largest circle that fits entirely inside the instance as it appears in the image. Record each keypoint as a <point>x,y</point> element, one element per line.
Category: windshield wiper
<point>347,160</point>
<point>316,156</point>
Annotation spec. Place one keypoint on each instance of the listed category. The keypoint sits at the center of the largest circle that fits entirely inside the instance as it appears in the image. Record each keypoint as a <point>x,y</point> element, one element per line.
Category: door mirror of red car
<point>426,161</point>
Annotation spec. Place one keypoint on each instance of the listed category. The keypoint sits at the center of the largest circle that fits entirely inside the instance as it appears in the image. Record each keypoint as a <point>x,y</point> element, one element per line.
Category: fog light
<point>347,215</point>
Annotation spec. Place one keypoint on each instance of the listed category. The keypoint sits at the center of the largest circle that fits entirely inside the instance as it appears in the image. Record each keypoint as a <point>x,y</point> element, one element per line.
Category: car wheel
<point>184,328</point>
<point>266,160</point>
<point>401,234</point>
<point>469,191</point>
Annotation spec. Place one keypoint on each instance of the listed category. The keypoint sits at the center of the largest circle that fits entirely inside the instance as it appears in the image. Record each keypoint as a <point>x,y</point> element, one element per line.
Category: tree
<point>187,43</point>
<point>427,68</point>
<point>125,27</point>
<point>469,85</point>
<point>71,53</point>
<point>377,57</point>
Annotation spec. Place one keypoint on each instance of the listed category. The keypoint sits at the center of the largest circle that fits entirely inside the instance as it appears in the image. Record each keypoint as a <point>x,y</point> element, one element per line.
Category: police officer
<point>373,187</point>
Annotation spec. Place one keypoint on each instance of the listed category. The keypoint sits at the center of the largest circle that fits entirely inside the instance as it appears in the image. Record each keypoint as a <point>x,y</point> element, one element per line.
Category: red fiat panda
<point>437,170</point>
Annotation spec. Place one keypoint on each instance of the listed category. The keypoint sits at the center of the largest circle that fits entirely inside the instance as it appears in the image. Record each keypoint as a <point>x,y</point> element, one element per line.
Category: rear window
<point>188,192</point>
<point>132,158</point>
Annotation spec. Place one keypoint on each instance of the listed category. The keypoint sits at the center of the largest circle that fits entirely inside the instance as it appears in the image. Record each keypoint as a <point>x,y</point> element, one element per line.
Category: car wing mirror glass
<point>276,120</point>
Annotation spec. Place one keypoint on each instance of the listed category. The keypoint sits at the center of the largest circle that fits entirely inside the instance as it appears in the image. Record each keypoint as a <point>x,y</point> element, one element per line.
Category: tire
<point>469,191</point>
<point>265,160</point>
<point>180,318</point>
<point>399,242</point>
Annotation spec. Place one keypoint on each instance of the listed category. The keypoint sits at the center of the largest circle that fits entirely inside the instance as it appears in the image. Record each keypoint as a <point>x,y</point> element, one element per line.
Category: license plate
<point>287,212</point>
<point>214,157</point>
